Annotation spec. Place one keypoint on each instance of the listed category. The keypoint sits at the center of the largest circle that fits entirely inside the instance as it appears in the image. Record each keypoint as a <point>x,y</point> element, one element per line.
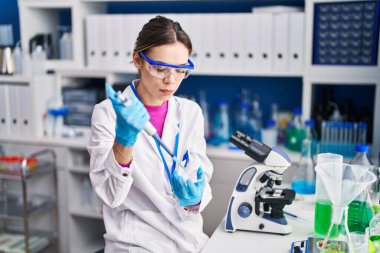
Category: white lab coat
<point>140,213</point>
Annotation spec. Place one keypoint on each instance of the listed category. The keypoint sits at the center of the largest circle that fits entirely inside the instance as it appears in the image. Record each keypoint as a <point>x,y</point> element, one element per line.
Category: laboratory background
<point>289,91</point>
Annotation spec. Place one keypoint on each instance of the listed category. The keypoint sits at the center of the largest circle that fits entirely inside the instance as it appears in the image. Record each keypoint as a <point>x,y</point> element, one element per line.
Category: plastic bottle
<point>242,123</point>
<point>295,133</point>
<point>269,134</point>
<point>256,119</point>
<point>204,106</point>
<point>65,45</point>
<point>360,210</point>
<point>17,58</point>
<point>222,125</point>
<point>38,61</point>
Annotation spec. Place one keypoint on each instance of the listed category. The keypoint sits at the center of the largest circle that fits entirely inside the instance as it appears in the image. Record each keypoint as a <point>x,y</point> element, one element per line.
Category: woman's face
<point>154,90</point>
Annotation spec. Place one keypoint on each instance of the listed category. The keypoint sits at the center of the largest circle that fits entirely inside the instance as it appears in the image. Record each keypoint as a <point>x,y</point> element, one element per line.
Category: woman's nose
<point>170,79</point>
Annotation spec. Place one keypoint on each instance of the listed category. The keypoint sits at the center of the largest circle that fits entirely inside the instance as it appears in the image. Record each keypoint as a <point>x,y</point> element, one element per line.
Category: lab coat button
<point>125,174</point>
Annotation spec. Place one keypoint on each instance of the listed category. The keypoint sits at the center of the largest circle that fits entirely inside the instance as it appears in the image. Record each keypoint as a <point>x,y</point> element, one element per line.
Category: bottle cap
<point>271,123</point>
<point>310,123</point>
<point>362,148</point>
<point>297,111</point>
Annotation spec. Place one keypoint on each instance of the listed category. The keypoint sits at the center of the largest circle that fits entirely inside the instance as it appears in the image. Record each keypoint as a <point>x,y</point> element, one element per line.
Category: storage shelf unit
<point>41,16</point>
<point>21,201</point>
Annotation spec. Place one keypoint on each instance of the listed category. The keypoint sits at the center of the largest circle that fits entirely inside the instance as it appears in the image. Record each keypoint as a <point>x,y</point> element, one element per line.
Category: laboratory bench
<point>247,241</point>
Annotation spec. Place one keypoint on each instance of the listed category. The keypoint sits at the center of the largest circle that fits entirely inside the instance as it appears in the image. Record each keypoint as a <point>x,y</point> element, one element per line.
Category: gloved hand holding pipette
<point>130,120</point>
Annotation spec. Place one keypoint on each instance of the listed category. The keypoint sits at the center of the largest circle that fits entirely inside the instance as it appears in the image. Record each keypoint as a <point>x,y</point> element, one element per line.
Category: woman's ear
<point>137,61</point>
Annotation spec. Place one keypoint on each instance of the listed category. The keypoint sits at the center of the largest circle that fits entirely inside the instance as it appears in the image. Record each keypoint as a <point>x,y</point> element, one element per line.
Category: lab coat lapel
<point>171,127</point>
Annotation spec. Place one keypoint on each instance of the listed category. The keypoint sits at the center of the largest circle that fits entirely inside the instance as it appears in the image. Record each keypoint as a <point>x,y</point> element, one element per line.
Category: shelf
<point>93,246</point>
<point>91,72</point>
<point>80,143</point>
<point>12,209</point>
<point>223,152</point>
<point>86,212</point>
<point>42,168</point>
<point>80,169</point>
<point>15,79</point>
<point>39,239</point>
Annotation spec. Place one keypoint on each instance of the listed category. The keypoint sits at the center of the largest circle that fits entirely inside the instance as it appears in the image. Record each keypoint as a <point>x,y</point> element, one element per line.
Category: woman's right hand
<point>130,120</point>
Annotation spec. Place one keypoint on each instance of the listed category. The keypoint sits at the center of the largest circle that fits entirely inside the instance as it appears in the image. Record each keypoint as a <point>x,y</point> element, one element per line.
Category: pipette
<point>149,128</point>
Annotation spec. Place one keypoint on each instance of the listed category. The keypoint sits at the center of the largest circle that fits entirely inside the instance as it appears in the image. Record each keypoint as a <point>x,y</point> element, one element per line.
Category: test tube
<point>350,132</point>
<point>355,134</point>
<point>362,134</point>
<point>323,132</point>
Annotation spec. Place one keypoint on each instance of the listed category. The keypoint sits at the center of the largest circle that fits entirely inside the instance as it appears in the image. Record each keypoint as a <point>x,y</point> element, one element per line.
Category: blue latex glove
<point>130,120</point>
<point>188,193</point>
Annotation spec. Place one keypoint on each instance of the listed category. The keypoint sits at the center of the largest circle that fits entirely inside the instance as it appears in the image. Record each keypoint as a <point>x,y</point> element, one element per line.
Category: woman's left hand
<point>188,193</point>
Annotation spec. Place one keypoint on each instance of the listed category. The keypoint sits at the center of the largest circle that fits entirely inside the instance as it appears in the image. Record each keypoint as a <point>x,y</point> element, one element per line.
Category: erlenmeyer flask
<point>343,183</point>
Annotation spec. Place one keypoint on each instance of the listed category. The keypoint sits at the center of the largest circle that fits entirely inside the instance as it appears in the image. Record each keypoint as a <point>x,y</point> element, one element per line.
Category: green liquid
<point>374,243</point>
<point>322,219</point>
<point>359,215</point>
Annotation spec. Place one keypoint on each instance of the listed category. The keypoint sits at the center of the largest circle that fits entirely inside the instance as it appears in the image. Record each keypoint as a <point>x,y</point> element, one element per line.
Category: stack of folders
<point>22,107</point>
<point>226,43</point>
<point>15,116</point>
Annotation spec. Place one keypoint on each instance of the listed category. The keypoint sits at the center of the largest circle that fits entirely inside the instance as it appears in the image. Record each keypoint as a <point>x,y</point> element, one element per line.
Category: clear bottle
<point>295,132</point>
<point>256,119</point>
<point>18,59</point>
<point>269,134</point>
<point>312,135</point>
<point>204,106</point>
<point>304,179</point>
<point>222,125</point>
<point>38,61</point>
<point>65,44</point>
<point>242,123</point>
<point>360,210</point>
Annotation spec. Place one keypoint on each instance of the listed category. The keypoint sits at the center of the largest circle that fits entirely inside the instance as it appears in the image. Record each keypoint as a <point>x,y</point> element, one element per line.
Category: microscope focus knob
<point>244,210</point>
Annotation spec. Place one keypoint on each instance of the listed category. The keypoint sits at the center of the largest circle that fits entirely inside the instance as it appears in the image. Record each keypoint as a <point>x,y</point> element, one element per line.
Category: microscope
<point>255,204</point>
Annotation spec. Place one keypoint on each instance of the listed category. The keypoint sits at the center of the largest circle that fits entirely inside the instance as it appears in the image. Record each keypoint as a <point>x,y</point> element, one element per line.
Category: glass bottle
<point>360,210</point>
<point>304,179</point>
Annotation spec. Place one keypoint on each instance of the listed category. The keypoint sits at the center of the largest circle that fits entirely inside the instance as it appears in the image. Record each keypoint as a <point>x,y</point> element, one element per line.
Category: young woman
<point>148,207</point>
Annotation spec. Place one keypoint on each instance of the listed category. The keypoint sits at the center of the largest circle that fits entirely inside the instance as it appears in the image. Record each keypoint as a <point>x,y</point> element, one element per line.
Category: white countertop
<point>245,241</point>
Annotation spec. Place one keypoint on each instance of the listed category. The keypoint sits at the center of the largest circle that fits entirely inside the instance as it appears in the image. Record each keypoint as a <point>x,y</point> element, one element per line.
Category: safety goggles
<point>163,70</point>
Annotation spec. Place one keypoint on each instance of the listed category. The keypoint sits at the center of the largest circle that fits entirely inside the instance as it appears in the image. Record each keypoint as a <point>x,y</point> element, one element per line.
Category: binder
<point>115,44</point>
<point>14,109</point>
<point>223,43</point>
<point>4,110</point>
<point>265,42</point>
<point>296,41</point>
<point>238,42</point>
<point>26,112</point>
<point>129,37</point>
<point>281,42</point>
<point>195,34</point>
<point>102,39</point>
<point>251,51</point>
<point>92,43</point>
<point>208,51</point>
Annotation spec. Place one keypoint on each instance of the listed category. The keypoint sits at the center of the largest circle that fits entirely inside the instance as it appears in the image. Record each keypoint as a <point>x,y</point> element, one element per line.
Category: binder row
<point>22,107</point>
<point>15,110</point>
<point>233,43</point>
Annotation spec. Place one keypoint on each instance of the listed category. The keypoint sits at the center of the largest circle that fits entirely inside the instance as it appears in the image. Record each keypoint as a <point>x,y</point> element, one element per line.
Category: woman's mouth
<point>167,92</point>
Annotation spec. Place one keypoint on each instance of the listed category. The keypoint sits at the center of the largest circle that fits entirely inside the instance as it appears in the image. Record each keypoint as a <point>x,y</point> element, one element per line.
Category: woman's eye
<point>180,71</point>
<point>160,69</point>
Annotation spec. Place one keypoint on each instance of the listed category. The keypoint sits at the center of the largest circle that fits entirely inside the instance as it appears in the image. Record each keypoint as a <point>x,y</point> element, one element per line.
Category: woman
<point>147,206</point>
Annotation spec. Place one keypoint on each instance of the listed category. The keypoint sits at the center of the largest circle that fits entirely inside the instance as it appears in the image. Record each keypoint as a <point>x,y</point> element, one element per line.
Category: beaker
<point>343,183</point>
<point>323,206</point>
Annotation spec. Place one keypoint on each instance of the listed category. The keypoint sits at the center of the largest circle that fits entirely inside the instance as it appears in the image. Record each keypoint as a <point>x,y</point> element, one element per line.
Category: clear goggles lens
<point>164,72</point>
